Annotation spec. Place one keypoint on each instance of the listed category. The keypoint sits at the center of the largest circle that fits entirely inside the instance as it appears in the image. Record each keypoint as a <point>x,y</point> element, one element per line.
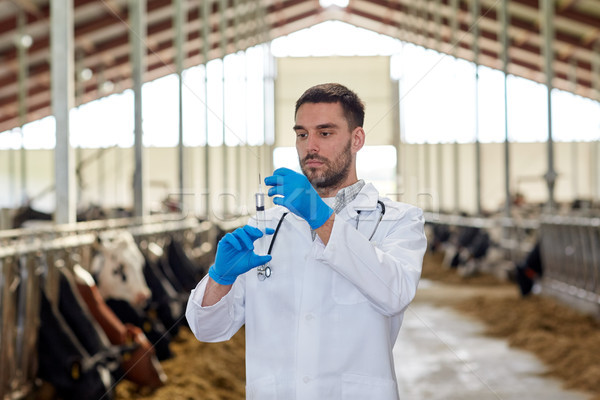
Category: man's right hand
<point>235,256</point>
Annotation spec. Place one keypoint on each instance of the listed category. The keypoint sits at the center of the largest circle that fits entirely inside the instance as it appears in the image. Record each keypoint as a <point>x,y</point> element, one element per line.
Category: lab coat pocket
<point>262,389</point>
<point>360,387</point>
<point>344,292</point>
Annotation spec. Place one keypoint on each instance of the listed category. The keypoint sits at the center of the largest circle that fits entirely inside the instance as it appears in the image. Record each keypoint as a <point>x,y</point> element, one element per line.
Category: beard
<point>334,172</point>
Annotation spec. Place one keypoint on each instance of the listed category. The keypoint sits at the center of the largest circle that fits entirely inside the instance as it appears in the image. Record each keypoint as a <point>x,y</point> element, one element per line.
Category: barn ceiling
<point>101,39</point>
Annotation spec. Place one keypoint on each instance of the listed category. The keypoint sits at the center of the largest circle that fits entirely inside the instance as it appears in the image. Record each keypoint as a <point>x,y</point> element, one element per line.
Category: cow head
<point>118,268</point>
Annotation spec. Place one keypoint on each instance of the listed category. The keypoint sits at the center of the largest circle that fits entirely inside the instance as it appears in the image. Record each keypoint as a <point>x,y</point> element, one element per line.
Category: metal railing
<point>570,249</point>
<point>27,261</point>
<point>513,235</point>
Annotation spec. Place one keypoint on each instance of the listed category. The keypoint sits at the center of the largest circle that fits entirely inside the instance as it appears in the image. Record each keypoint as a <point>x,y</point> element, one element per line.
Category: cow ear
<point>97,263</point>
<point>83,276</point>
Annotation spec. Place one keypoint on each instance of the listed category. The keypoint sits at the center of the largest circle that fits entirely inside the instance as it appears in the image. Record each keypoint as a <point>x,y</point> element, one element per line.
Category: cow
<point>118,269</point>
<point>27,213</point>
<point>168,303</point>
<point>138,365</point>
<point>72,357</point>
<point>186,271</point>
<point>529,271</point>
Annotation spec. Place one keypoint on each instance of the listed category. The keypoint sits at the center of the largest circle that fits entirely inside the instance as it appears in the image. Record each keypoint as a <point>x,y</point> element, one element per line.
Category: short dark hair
<point>354,109</point>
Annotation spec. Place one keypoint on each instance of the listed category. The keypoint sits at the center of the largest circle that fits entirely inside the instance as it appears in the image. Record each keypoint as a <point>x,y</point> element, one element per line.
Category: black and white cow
<point>118,268</point>
<point>529,271</point>
<point>72,356</point>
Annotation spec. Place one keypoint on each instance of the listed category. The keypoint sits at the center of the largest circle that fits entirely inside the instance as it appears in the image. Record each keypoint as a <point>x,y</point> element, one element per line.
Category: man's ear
<point>358,139</point>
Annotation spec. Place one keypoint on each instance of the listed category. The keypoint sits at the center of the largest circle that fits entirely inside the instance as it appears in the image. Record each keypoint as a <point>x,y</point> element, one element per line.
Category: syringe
<point>264,271</point>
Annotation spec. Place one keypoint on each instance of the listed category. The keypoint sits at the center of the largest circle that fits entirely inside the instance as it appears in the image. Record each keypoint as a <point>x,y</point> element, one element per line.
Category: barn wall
<point>108,180</point>
<point>367,76</point>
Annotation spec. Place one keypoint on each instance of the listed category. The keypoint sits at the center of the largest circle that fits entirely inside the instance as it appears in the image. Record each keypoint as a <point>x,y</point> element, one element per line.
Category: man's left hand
<point>294,191</point>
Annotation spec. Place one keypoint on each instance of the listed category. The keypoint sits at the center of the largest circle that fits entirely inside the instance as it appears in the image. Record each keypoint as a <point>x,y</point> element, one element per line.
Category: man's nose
<point>312,145</point>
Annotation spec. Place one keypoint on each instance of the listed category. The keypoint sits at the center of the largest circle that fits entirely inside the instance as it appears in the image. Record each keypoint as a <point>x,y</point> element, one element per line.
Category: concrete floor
<point>442,355</point>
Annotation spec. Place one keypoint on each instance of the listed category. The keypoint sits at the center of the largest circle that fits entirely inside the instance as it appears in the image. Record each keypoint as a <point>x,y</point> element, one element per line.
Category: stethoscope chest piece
<point>264,272</point>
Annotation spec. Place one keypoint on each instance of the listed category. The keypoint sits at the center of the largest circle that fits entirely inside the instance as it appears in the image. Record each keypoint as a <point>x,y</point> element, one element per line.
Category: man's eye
<point>301,135</point>
<point>325,133</point>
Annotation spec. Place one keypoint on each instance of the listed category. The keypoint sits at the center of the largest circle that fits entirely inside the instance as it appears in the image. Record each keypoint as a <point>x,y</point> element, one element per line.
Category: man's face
<point>324,144</point>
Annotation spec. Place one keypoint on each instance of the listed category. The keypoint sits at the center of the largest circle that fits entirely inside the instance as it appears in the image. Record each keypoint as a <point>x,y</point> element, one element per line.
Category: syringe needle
<point>259,197</point>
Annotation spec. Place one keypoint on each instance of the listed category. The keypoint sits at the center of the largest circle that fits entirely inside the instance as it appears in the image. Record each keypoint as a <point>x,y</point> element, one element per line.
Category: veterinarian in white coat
<point>345,265</point>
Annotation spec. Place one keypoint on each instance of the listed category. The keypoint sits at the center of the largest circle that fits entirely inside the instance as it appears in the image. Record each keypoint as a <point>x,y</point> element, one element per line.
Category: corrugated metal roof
<point>101,38</point>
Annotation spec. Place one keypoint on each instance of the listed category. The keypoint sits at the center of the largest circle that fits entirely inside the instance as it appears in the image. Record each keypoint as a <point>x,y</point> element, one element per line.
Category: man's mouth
<point>313,162</point>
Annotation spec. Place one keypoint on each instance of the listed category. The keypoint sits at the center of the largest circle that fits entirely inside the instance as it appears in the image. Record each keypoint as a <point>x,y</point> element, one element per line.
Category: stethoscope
<point>265,270</point>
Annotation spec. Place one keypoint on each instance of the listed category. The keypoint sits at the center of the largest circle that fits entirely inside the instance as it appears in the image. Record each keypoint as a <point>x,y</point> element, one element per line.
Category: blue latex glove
<point>298,196</point>
<point>235,256</point>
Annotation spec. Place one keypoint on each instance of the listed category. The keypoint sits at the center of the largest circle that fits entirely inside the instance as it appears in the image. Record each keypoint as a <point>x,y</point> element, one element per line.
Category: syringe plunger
<point>259,198</point>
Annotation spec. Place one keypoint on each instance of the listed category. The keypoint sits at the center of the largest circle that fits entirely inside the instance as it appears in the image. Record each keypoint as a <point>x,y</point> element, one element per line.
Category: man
<point>345,265</point>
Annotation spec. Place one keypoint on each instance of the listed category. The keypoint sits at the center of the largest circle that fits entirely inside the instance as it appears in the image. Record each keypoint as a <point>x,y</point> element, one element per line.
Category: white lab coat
<point>324,324</point>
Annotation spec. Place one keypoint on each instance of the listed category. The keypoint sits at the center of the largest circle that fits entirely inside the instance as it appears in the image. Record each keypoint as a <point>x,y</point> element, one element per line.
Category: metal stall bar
<point>62,75</point>
<point>552,256</point>
<point>578,268</point>
<point>178,21</point>
<point>587,282</point>
<point>27,323</point>
<point>137,37</point>
<point>547,8</point>
<point>8,305</point>
<point>594,233</point>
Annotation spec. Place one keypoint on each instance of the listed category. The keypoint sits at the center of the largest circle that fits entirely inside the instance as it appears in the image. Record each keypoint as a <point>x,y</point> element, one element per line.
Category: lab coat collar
<point>366,200</point>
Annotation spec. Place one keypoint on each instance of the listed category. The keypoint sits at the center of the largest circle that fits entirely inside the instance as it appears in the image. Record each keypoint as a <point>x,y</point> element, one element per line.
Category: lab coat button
<point>309,317</point>
<point>306,379</point>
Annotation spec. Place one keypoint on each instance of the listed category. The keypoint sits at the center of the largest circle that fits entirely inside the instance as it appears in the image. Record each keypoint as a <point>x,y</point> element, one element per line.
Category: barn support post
<point>596,86</point>
<point>475,12</point>
<point>137,37</point>
<point>455,147</point>
<point>269,76</point>
<point>426,187</point>
<point>226,186</point>
<point>62,75</point>
<point>574,144</point>
<point>396,133</point>
<point>179,20</point>
<point>205,34</point>
<point>547,10</point>
<point>23,45</point>
<point>239,166</point>
<point>504,39</point>
<point>437,18</point>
